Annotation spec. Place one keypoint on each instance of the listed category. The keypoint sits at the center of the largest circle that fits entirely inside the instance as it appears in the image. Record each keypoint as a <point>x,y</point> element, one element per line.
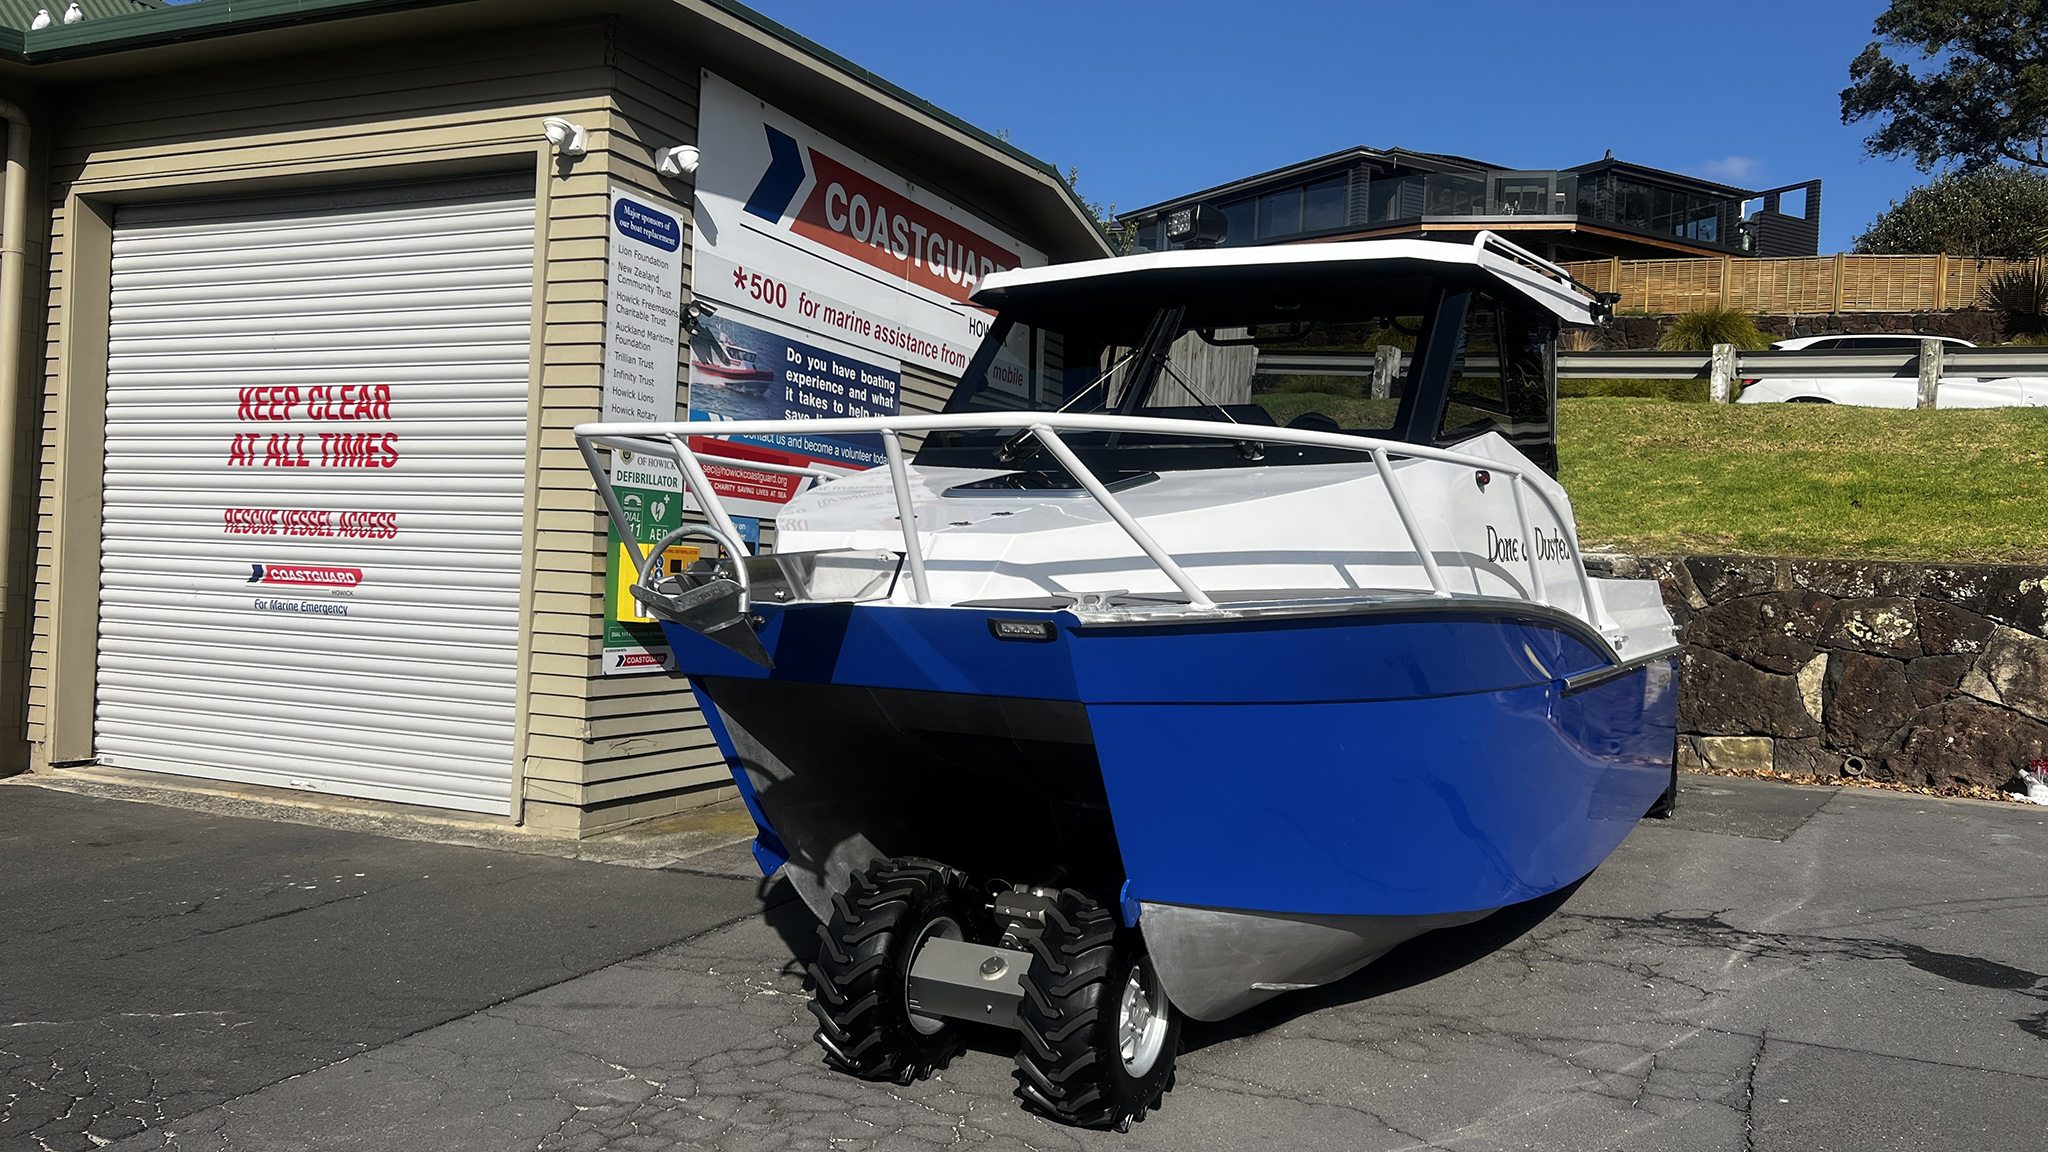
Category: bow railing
<point>672,441</point>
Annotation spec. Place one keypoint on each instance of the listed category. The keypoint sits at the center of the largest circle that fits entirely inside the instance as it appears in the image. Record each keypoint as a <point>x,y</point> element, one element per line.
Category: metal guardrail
<point>672,442</point>
<point>1933,362</point>
<point>1978,363</point>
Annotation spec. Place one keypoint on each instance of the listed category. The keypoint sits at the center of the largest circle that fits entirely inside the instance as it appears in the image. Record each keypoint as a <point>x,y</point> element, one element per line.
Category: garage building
<point>300,301</point>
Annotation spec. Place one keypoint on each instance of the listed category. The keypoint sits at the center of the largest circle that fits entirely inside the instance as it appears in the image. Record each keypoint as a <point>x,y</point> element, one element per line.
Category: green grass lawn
<point>1807,479</point>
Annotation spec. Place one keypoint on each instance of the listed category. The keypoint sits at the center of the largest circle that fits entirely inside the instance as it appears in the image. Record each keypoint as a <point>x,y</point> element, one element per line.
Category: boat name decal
<point>1505,549</point>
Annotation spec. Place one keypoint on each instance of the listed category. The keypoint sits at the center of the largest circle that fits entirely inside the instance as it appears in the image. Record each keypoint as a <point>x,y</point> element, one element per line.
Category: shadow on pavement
<point>1422,959</point>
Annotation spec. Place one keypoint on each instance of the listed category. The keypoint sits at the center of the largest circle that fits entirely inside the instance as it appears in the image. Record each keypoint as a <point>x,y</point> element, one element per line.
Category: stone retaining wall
<point>1926,674</point>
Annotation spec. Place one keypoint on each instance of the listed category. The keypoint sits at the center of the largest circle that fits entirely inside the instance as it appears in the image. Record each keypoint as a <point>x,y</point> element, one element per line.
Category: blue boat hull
<point>1403,766</point>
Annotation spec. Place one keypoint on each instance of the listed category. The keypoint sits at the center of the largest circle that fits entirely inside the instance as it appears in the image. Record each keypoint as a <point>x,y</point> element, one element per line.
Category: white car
<point>1888,391</point>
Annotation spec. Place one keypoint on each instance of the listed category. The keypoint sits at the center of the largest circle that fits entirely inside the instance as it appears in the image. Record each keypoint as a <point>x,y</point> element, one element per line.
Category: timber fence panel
<point>1791,286</point>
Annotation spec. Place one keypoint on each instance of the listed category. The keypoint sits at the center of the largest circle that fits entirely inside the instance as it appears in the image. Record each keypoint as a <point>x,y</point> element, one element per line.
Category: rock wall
<point>1920,673</point>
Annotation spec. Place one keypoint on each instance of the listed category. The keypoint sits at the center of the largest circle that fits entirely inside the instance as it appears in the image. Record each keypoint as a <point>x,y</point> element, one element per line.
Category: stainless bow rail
<point>671,441</point>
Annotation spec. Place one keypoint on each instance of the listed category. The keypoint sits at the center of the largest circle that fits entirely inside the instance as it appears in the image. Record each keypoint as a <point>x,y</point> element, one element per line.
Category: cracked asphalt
<point>1778,968</point>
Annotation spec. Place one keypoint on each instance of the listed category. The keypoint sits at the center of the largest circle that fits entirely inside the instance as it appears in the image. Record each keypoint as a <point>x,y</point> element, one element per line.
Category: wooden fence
<point>1801,285</point>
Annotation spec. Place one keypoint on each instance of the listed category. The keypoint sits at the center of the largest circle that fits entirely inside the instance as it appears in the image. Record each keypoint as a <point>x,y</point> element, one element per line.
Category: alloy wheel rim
<point>1140,1021</point>
<point>941,928</point>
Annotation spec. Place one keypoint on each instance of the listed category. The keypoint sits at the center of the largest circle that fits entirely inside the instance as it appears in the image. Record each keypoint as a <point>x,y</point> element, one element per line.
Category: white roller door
<point>316,442</point>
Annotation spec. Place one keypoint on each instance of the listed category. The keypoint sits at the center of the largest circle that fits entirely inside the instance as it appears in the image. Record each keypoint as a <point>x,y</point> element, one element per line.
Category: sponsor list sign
<point>642,350</point>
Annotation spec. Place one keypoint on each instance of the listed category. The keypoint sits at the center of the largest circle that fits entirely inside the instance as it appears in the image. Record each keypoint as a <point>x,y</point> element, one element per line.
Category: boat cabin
<point>1420,341</point>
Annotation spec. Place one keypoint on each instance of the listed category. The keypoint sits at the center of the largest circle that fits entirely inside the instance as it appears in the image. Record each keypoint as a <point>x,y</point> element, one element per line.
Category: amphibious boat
<point>1227,629</point>
<point>718,361</point>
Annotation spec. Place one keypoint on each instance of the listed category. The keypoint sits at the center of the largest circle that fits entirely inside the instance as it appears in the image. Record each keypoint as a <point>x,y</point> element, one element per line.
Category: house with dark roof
<point>1608,208</point>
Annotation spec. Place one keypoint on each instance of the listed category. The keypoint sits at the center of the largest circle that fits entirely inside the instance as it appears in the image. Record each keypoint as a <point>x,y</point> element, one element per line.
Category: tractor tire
<point>860,980</point>
<point>1098,1035</point>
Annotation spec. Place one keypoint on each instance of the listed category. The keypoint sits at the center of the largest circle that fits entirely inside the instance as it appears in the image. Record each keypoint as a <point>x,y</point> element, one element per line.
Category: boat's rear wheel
<point>860,980</point>
<point>1099,1036</point>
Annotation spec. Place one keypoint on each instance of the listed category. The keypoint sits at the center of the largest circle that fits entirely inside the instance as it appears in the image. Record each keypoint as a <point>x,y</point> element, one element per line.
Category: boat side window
<point>1320,374</point>
<point>1041,369</point>
<point>1501,381</point>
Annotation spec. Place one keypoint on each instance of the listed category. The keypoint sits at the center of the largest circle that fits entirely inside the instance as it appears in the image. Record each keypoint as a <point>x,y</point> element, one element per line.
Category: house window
<point>1280,213</point>
<point>1243,220</point>
<point>1521,197</point>
<point>1325,203</point>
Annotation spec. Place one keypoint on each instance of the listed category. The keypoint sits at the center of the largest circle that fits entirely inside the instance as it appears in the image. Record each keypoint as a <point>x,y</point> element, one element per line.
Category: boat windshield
<point>1427,361</point>
<point>1326,373</point>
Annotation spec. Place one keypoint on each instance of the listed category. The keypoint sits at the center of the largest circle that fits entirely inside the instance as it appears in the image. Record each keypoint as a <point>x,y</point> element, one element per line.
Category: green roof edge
<point>185,21</point>
<point>214,17</point>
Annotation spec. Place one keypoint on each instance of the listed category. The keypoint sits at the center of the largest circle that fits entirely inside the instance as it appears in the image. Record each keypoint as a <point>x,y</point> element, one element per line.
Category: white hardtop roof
<point>1539,280</point>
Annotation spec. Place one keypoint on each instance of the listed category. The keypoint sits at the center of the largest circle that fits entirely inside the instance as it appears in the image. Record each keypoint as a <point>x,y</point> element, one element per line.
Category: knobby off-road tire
<point>860,978</point>
<point>1076,1025</point>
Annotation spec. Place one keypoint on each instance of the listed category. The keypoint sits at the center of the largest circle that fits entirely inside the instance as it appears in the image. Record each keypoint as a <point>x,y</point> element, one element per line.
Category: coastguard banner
<point>762,371</point>
<point>795,227</point>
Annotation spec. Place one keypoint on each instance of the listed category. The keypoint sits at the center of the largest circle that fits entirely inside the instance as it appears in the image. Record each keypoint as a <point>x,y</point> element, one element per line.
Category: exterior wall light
<point>680,160</point>
<point>568,140</point>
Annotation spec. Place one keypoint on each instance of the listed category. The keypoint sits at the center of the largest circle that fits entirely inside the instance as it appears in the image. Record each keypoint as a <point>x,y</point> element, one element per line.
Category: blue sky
<point>1151,101</point>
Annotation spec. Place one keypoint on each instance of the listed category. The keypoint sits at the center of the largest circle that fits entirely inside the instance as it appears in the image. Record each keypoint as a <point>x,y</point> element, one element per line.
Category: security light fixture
<point>569,140</point>
<point>1197,226</point>
<point>680,160</point>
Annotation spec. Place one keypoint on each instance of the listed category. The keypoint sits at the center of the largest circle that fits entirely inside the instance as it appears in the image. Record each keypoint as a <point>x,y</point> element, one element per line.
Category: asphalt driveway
<point>1779,968</point>
<point>156,961</point>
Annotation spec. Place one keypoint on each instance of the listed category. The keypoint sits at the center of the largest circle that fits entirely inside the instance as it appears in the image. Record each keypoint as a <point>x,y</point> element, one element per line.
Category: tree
<point>1121,240</point>
<point>1977,94</point>
<point>1997,212</point>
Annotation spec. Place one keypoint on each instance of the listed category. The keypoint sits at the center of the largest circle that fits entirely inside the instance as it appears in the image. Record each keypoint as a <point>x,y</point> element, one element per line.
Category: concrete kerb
<point>661,843</point>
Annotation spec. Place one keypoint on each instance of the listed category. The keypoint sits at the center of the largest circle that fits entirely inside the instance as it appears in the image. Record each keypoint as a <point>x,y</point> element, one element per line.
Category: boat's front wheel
<point>861,977</point>
<point>1099,1035</point>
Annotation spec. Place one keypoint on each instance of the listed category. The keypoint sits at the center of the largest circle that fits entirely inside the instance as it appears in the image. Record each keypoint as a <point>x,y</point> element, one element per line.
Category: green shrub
<point>1999,211</point>
<point>1700,331</point>
<point>2016,290</point>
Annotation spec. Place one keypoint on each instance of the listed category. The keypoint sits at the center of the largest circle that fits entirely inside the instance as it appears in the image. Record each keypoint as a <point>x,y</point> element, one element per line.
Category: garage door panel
<point>158,517</point>
<point>231,616</point>
<point>200,667</point>
<point>355,324</point>
<point>330,716</point>
<point>317,585</point>
<point>199,300</point>
<point>438,350</point>
<point>429,400</point>
<point>477,461</point>
<point>250,660</point>
<point>465,343</point>
<point>317,633</point>
<point>423,375</point>
<point>357,271</point>
<point>159,230</point>
<point>404,782</point>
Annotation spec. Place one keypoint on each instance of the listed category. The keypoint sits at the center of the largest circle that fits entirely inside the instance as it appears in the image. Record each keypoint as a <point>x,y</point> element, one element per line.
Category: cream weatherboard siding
<point>587,752</point>
<point>312,507</point>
